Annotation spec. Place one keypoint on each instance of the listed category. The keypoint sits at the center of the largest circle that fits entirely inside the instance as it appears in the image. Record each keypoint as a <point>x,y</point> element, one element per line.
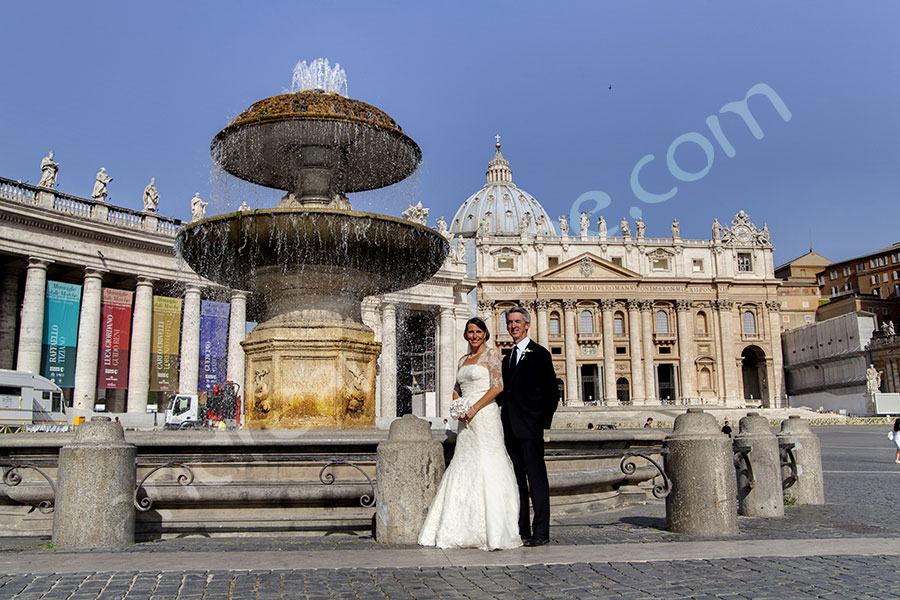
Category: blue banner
<point>62,306</point>
<point>213,343</point>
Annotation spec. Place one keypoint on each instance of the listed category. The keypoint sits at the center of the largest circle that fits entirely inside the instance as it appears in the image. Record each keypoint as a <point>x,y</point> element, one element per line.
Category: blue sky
<point>141,89</point>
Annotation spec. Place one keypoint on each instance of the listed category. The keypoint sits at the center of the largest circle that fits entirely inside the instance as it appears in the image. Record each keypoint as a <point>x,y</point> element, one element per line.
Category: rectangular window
<point>618,325</point>
<point>698,265</point>
<point>744,262</point>
<point>804,304</point>
<point>897,289</point>
<point>660,264</point>
<point>820,280</point>
<point>832,275</point>
<point>555,350</point>
<point>665,350</point>
<point>896,275</point>
<point>554,325</point>
<point>874,279</point>
<point>876,292</point>
<point>621,350</point>
<point>506,263</point>
<point>616,260</point>
<point>786,318</point>
<point>552,261</point>
<point>846,271</point>
<point>834,290</point>
<point>860,267</point>
<point>848,286</point>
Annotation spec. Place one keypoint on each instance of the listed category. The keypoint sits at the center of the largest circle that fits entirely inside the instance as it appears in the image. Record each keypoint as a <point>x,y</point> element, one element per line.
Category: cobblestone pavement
<point>861,485</point>
<point>735,579</point>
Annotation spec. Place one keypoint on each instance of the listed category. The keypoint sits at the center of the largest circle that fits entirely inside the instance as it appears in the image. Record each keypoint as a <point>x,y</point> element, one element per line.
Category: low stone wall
<point>277,482</point>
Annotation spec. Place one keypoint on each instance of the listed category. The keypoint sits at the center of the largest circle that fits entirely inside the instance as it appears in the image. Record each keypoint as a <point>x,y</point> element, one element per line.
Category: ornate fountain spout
<point>312,260</point>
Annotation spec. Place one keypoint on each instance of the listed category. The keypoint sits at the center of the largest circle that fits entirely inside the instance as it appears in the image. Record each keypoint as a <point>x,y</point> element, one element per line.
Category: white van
<point>30,402</point>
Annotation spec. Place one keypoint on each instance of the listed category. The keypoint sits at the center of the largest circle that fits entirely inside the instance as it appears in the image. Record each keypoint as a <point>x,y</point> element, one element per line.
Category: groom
<point>527,404</point>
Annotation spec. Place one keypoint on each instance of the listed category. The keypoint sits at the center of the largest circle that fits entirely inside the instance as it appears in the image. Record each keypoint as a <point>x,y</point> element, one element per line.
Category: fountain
<point>311,260</point>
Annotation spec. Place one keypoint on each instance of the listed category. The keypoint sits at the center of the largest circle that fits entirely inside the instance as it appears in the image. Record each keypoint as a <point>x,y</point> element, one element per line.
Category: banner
<point>213,343</point>
<point>61,311</point>
<point>115,338</point>
<point>164,344</point>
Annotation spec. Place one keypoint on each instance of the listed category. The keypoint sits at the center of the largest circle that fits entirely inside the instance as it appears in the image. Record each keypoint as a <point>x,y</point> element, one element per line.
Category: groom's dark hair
<point>480,325</point>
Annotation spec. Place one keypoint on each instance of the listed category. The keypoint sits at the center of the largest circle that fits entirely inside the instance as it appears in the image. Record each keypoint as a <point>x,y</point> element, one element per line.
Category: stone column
<point>94,489</point>
<point>237,332</point>
<point>573,385</point>
<point>141,330</point>
<point>543,322</point>
<point>9,297</point>
<point>189,371</point>
<point>609,353</point>
<point>776,377</point>
<point>446,362</point>
<point>486,312</point>
<point>634,347</point>
<point>31,327</point>
<point>408,470</point>
<point>88,353</point>
<point>685,355</point>
<point>647,342</point>
<point>388,360</point>
<point>700,464</point>
<point>726,355</point>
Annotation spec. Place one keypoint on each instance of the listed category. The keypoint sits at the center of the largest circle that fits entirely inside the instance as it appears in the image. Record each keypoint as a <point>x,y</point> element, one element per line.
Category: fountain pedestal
<point>314,376</point>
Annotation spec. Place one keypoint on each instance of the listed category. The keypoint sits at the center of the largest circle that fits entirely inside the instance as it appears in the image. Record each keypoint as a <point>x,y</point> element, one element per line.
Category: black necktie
<point>513,356</point>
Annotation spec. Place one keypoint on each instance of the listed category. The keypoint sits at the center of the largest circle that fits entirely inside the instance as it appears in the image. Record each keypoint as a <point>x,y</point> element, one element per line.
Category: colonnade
<point>718,343</point>
<point>31,323</point>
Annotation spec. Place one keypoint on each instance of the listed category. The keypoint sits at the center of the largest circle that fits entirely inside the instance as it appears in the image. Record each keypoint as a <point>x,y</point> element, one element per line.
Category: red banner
<point>115,328</point>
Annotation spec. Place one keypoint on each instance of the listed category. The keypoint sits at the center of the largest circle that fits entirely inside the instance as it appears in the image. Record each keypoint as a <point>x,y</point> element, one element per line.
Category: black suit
<point>529,399</point>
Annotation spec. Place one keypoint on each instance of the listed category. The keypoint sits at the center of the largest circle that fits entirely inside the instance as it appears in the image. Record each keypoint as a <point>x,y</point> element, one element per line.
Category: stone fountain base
<point>315,376</point>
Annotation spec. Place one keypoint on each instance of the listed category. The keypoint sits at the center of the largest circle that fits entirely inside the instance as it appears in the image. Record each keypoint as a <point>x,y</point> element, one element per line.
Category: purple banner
<point>213,343</point>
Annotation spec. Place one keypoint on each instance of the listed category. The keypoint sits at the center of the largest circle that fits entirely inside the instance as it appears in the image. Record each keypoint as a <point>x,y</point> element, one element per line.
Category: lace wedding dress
<point>477,502</point>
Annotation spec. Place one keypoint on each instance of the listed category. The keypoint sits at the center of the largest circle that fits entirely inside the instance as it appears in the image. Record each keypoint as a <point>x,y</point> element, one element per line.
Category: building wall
<point>633,311</point>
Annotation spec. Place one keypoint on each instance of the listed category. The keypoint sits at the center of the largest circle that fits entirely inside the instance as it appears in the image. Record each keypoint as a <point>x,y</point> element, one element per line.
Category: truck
<point>186,411</point>
<point>29,402</point>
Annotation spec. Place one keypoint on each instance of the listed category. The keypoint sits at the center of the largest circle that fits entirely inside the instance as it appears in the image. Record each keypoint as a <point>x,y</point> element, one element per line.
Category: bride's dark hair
<point>480,325</point>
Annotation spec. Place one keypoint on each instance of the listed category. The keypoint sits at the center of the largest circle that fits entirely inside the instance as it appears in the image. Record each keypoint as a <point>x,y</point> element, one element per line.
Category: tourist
<point>894,435</point>
<point>446,425</point>
<point>649,422</point>
<point>530,397</point>
<point>477,501</point>
<point>726,429</point>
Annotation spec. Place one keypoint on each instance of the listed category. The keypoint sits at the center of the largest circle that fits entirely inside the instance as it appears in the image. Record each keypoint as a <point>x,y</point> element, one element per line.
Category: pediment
<point>587,266</point>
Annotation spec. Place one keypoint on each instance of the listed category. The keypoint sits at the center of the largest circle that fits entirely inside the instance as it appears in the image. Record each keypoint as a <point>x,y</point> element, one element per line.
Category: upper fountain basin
<point>391,254</point>
<point>264,144</point>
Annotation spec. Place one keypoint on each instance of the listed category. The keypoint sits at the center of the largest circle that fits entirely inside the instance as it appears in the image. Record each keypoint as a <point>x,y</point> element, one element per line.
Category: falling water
<point>319,75</point>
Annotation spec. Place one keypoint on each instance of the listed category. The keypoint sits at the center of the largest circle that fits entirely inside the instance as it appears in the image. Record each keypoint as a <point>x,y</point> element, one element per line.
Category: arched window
<point>554,324</point>
<point>662,322</point>
<point>705,378</point>
<point>701,323</point>
<point>587,321</point>
<point>749,322</point>
<point>619,324</point>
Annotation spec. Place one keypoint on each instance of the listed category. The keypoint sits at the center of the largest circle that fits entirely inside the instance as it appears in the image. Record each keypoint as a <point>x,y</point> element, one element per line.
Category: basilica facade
<point>630,319</point>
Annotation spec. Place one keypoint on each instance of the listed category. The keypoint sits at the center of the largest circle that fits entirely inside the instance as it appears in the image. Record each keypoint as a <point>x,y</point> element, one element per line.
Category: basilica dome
<point>503,207</point>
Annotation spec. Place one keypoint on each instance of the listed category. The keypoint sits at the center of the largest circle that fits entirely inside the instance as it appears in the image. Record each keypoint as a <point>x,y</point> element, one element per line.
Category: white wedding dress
<point>477,502</point>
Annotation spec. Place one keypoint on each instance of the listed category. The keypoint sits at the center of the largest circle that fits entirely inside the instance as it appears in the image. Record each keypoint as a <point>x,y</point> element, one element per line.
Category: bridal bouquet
<point>459,407</point>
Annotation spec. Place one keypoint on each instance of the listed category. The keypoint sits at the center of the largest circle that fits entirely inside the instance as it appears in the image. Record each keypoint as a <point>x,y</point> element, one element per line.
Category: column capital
<point>239,295</point>
<point>527,305</point>
<point>447,311</point>
<point>607,304</point>
<point>38,263</point>
<point>773,305</point>
<point>542,304</point>
<point>633,305</point>
<point>194,288</point>
<point>144,280</point>
<point>93,273</point>
<point>486,305</point>
<point>569,305</point>
<point>683,305</point>
<point>646,305</point>
<point>723,304</point>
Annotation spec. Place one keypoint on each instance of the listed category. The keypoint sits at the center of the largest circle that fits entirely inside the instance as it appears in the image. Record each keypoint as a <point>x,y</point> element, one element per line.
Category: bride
<point>477,502</point>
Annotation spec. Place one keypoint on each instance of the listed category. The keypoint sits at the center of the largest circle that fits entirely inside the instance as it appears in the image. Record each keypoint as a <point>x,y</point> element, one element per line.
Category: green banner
<point>60,340</point>
<point>164,342</point>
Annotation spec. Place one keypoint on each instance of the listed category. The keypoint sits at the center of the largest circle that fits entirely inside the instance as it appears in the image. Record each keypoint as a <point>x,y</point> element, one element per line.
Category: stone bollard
<point>700,464</point>
<point>809,487</point>
<point>95,489</point>
<point>765,497</point>
<point>408,469</point>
